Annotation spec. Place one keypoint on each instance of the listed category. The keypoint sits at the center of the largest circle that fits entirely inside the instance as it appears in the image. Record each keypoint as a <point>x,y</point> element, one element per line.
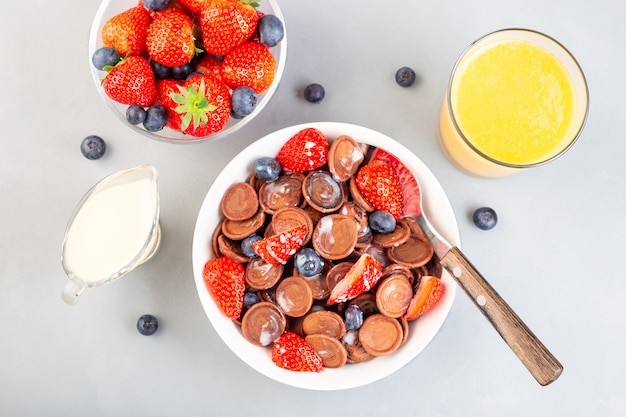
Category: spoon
<point>543,366</point>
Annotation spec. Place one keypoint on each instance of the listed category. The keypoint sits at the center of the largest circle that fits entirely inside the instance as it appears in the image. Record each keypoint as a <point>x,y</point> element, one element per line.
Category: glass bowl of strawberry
<point>257,265</point>
<point>187,71</point>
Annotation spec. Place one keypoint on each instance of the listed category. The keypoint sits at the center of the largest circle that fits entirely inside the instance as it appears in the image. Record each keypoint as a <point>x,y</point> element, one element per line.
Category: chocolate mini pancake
<point>263,323</point>
<point>240,201</point>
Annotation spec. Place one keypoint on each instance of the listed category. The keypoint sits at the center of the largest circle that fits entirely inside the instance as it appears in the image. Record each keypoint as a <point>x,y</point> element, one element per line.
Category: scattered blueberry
<point>485,218</point>
<point>182,72</point>
<point>405,77</point>
<point>93,147</point>
<point>156,118</point>
<point>271,30</point>
<point>308,262</point>
<point>135,114</point>
<point>243,100</point>
<point>105,57</point>
<point>250,299</point>
<point>267,169</point>
<point>353,317</point>
<point>155,5</point>
<point>161,71</point>
<point>314,93</point>
<point>147,324</point>
<point>382,221</point>
<point>246,245</point>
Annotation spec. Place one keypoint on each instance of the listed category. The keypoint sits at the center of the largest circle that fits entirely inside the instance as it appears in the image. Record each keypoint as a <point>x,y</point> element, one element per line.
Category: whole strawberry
<point>195,6</point>
<point>170,39</point>
<point>226,282</point>
<point>227,23</point>
<point>165,89</point>
<point>305,151</point>
<point>126,32</point>
<point>250,64</point>
<point>293,353</point>
<point>131,82</point>
<point>380,185</point>
<point>203,104</point>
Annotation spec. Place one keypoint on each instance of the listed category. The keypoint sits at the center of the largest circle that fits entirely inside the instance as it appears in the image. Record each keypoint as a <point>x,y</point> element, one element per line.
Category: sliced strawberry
<point>360,278</point>
<point>410,188</point>
<point>428,293</point>
<point>278,249</point>
<point>305,151</point>
<point>380,185</point>
<point>293,353</point>
<point>225,280</point>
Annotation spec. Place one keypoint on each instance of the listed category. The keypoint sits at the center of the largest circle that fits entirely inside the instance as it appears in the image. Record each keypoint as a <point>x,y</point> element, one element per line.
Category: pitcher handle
<point>72,291</point>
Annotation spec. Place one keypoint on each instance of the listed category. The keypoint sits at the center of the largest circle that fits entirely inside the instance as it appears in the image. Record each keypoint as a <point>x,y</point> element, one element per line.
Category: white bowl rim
<point>436,206</point>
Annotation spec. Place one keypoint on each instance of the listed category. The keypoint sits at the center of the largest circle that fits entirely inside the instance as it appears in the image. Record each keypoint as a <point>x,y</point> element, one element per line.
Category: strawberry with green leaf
<point>170,39</point>
<point>292,352</point>
<point>250,64</point>
<point>227,23</point>
<point>131,81</point>
<point>225,280</point>
<point>379,183</point>
<point>127,31</point>
<point>203,105</point>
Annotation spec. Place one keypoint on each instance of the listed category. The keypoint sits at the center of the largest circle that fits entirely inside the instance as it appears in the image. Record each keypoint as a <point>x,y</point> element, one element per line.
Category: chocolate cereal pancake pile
<point>319,257</point>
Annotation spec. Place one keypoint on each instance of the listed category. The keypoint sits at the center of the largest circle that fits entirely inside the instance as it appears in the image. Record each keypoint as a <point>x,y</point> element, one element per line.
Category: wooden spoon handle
<point>533,354</point>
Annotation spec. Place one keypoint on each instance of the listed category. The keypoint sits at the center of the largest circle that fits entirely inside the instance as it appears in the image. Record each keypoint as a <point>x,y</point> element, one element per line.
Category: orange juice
<point>512,102</point>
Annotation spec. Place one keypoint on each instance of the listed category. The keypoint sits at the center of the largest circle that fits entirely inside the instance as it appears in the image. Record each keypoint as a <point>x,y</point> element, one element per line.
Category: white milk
<point>110,230</point>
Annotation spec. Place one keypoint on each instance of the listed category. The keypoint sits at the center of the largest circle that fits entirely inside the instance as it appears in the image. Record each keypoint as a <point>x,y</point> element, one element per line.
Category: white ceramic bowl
<point>436,207</point>
<point>110,8</point>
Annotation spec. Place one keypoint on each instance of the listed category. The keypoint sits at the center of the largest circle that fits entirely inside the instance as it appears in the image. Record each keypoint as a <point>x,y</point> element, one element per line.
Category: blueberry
<point>235,115</point>
<point>105,57</point>
<point>161,71</point>
<point>405,77</point>
<point>308,262</point>
<point>135,114</point>
<point>155,5</point>
<point>93,147</point>
<point>243,100</point>
<point>250,299</point>
<point>182,72</point>
<point>353,317</point>
<point>156,118</point>
<point>147,324</point>
<point>267,169</point>
<point>382,221</point>
<point>271,30</point>
<point>314,93</point>
<point>246,245</point>
<point>485,218</point>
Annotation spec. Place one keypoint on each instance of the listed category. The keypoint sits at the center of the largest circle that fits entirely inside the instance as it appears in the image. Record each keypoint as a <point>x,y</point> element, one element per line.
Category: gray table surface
<point>553,256</point>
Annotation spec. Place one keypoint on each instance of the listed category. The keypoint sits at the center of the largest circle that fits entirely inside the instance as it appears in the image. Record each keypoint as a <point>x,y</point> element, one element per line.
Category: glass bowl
<point>421,331</point>
<point>110,8</point>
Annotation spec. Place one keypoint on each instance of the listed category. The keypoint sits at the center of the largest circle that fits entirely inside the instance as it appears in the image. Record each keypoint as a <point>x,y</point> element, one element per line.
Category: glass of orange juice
<point>516,99</point>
